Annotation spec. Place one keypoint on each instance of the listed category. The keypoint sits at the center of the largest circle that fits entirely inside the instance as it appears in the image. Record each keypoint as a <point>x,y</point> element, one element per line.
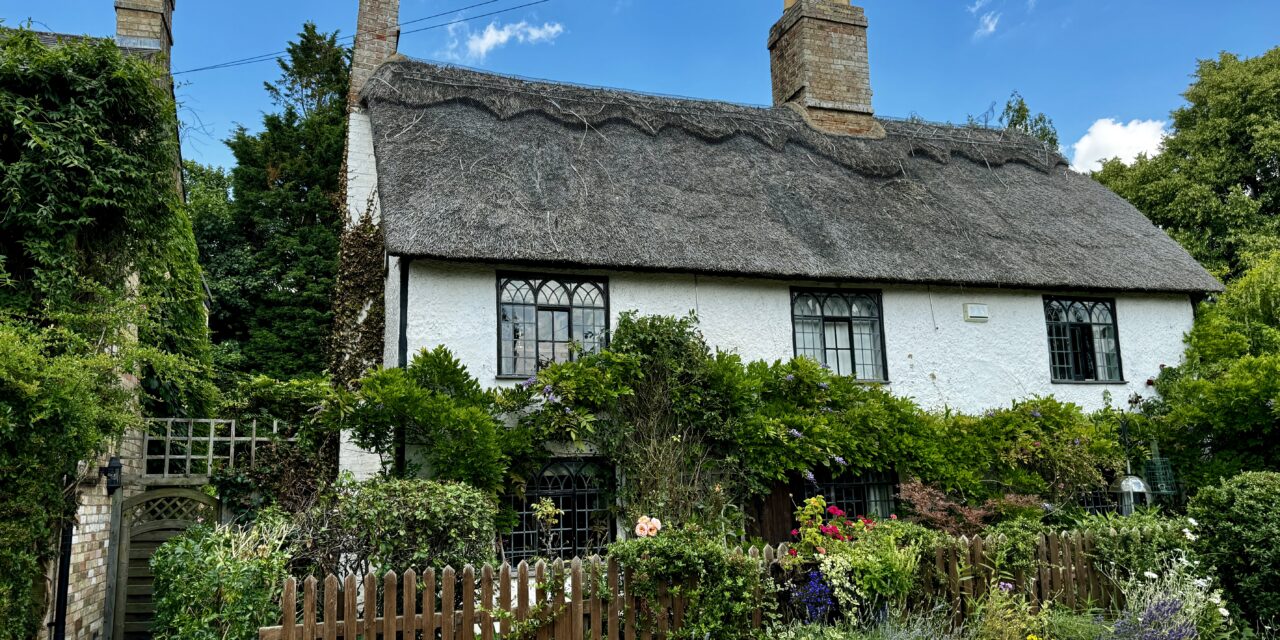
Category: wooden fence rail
<point>587,598</point>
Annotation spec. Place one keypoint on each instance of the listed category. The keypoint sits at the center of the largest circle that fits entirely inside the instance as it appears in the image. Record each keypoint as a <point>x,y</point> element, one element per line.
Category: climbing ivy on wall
<point>99,282</point>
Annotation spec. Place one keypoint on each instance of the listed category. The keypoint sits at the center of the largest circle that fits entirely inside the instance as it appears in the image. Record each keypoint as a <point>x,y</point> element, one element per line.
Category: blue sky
<point>1107,73</point>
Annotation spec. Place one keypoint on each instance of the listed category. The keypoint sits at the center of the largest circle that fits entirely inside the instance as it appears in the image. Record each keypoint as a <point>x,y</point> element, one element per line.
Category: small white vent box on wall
<point>976,312</point>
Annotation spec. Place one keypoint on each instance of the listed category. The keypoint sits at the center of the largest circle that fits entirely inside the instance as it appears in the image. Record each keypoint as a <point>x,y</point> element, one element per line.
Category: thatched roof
<point>480,167</point>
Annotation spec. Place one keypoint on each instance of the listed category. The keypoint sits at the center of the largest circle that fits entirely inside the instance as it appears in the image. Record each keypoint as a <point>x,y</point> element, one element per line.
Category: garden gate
<point>146,521</point>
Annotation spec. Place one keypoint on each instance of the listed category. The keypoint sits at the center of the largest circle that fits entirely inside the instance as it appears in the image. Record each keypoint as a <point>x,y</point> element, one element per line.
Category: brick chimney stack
<point>377,35</point>
<point>818,55</point>
<point>147,25</point>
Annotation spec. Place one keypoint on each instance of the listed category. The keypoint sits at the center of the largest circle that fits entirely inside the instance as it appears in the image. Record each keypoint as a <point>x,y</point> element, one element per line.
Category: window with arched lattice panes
<point>1084,341</point>
<point>840,329</point>
<point>548,319</point>
<point>866,494</point>
<point>580,489</point>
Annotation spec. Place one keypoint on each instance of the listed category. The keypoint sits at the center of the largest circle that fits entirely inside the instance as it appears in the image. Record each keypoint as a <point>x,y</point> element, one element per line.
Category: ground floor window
<point>580,489</point>
<point>867,494</point>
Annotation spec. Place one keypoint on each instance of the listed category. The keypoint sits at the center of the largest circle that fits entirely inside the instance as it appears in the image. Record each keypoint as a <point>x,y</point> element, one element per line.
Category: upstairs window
<point>542,320</point>
<point>1084,344</point>
<point>841,329</point>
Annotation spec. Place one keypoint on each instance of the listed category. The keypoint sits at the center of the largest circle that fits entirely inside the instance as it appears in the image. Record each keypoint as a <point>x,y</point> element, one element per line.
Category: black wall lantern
<point>112,472</point>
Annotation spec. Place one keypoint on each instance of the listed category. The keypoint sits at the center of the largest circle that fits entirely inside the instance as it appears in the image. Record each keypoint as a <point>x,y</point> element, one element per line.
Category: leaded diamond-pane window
<point>1084,344</point>
<point>543,320</point>
<point>579,489</point>
<point>841,329</point>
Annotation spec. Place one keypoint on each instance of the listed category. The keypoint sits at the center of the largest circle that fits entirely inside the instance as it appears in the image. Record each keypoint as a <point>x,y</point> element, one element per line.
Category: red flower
<point>795,532</point>
<point>835,511</point>
<point>820,550</point>
<point>893,516</point>
<point>793,552</point>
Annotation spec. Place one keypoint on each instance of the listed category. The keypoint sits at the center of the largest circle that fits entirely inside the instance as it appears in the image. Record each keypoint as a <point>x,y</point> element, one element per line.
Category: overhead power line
<point>273,55</point>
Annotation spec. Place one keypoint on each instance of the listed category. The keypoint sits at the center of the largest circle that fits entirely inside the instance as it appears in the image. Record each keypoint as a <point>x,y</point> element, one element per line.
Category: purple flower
<point>553,399</point>
<point>546,391</point>
<point>1035,413</point>
<point>795,433</point>
<point>568,410</point>
<point>529,382</point>
<point>839,460</point>
<point>1076,441</point>
<point>808,475</point>
<point>990,413</point>
<point>827,410</point>
<point>826,367</point>
<point>790,377</point>
<point>814,595</point>
<point>1006,586</point>
<point>823,385</point>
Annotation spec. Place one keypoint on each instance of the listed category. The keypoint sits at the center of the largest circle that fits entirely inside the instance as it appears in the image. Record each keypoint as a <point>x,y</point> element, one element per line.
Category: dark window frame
<point>876,297</point>
<point>568,280</point>
<point>587,487</point>
<point>1082,361</point>
<point>853,492</point>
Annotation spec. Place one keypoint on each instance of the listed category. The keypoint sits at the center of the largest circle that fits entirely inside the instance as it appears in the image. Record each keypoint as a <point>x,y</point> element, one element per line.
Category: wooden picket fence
<point>588,598</point>
<point>1064,574</point>
<point>548,601</point>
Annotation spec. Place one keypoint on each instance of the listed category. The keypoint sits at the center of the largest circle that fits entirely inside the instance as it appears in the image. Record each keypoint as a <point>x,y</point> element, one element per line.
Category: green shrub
<point>1239,535</point>
<point>220,583</point>
<point>380,525</point>
<point>55,409</point>
<point>723,584</point>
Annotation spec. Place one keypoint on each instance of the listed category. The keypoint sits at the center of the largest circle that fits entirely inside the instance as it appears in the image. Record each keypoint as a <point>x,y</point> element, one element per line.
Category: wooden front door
<point>147,520</point>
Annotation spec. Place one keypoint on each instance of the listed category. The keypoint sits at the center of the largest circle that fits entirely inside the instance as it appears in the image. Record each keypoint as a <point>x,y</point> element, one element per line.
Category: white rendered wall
<point>362,197</point>
<point>933,355</point>
<point>362,172</point>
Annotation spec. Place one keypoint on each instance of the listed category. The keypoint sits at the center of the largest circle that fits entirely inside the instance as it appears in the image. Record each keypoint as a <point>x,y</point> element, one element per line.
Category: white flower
<point>1190,536</point>
<point>1215,598</point>
<point>1193,522</point>
<point>1200,583</point>
<point>1150,575</point>
<point>1224,612</point>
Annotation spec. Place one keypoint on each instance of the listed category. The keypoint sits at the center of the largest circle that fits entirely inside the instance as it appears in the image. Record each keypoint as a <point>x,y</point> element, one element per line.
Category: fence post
<point>309,608</point>
<point>575,598</point>
<point>504,598</point>
<point>288,607</point>
<point>447,602</point>
<point>330,607</point>
<point>409,596</point>
<point>429,625</point>
<point>349,607</point>
<point>486,600</point>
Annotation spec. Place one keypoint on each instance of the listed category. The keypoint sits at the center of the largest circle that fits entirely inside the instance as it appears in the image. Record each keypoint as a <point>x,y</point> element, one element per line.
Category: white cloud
<point>1108,139</point>
<point>494,36</point>
<point>987,24</point>
<point>977,4</point>
<point>1031,5</point>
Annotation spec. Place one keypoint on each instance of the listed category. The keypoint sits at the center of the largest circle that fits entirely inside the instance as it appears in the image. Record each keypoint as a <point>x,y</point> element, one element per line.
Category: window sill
<point>514,376</point>
<point>1102,382</point>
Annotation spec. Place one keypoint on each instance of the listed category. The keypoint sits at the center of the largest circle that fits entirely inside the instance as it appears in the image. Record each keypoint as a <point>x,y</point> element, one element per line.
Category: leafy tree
<point>1017,117</point>
<point>1220,410</point>
<point>271,248</point>
<point>1215,185</point>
